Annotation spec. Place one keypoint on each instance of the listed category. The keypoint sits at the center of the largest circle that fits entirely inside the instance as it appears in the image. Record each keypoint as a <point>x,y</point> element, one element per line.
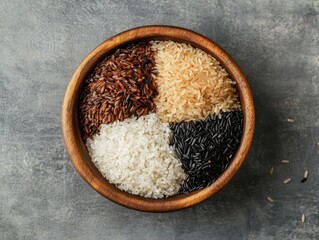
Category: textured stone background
<point>276,43</point>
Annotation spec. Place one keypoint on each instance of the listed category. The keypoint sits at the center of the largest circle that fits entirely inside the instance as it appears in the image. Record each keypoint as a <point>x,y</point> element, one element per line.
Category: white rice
<point>135,155</point>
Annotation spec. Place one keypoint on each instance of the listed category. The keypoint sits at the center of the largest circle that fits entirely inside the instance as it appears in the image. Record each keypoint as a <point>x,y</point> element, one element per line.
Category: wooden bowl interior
<point>78,152</point>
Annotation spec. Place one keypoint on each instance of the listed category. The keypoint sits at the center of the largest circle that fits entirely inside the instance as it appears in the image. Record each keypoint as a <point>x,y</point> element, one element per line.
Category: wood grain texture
<point>77,149</point>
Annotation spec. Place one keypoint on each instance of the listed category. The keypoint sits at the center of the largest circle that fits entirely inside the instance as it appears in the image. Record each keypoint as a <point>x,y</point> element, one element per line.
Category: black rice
<point>206,148</point>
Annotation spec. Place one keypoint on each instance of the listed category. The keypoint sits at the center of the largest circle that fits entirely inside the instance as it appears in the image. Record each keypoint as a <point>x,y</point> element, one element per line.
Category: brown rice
<point>191,83</point>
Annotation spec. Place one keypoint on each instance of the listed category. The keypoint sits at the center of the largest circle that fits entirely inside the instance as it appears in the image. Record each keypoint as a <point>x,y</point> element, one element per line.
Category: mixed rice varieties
<point>185,87</point>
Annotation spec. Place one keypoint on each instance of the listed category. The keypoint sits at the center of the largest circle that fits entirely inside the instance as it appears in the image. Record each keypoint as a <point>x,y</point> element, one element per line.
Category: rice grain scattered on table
<point>135,155</point>
<point>191,83</point>
<point>272,169</point>
<point>270,199</point>
<point>285,161</point>
<point>303,218</point>
<point>291,120</point>
<point>287,180</point>
<point>305,176</point>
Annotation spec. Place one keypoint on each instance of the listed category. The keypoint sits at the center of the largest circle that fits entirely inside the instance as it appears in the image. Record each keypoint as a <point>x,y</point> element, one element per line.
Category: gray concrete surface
<point>276,43</point>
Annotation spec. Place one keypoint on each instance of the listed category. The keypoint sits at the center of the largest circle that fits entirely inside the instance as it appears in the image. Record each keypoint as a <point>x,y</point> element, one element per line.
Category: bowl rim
<point>75,147</point>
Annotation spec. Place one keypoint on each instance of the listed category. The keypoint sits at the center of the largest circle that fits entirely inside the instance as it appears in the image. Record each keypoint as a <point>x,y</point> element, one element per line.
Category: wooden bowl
<point>77,150</point>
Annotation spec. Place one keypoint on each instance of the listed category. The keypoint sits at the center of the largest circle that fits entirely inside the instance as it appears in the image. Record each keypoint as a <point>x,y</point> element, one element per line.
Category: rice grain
<point>272,169</point>
<point>191,83</point>
<point>121,86</point>
<point>206,148</point>
<point>305,176</point>
<point>270,199</point>
<point>135,155</point>
<point>287,180</point>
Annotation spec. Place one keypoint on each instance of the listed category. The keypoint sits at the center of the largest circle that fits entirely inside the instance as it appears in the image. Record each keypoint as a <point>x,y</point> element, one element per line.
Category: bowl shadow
<point>248,184</point>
